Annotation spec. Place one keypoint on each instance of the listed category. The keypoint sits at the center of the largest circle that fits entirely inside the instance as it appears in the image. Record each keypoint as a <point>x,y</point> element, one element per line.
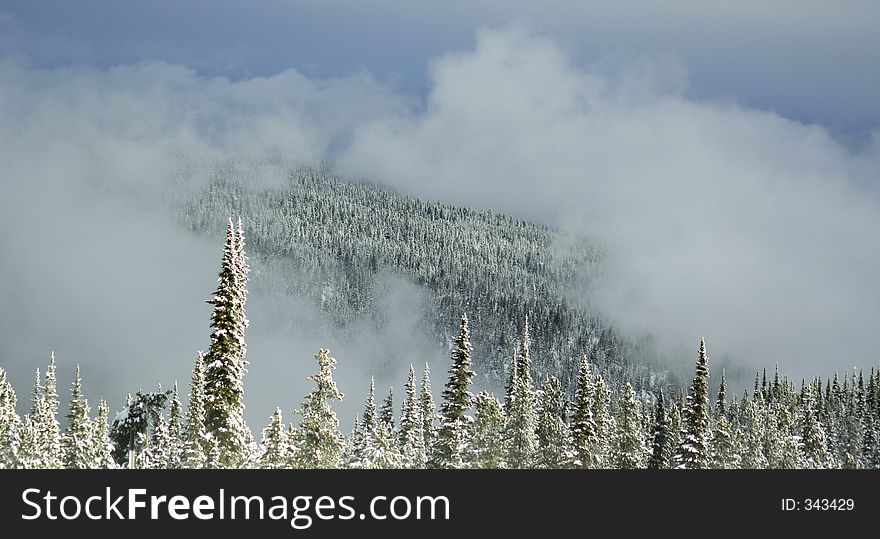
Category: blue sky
<point>809,61</point>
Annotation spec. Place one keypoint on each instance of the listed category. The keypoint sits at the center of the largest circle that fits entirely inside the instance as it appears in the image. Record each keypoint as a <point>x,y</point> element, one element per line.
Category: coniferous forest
<point>588,421</point>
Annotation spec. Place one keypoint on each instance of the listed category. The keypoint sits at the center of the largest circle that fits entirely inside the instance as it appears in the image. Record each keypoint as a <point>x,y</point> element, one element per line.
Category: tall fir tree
<point>101,444</point>
<point>386,412</point>
<point>319,442</point>
<point>175,430</point>
<point>450,445</point>
<point>410,435</point>
<point>77,440</point>
<point>427,412</point>
<point>225,364</point>
<point>604,423</point>
<point>693,450</point>
<point>521,438</point>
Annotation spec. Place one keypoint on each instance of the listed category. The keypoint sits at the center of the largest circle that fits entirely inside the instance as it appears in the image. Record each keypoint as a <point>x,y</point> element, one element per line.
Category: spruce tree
<point>275,447</point>
<point>175,430</point>
<point>814,444</point>
<point>693,450</point>
<point>319,442</point>
<point>604,423</point>
<point>45,418</point>
<point>410,436</point>
<point>753,423</point>
<point>225,363</point>
<point>661,440</point>
<point>629,443</point>
<point>554,443</point>
<point>9,424</point>
<point>521,438</point>
<point>386,413</point>
<point>427,412</point>
<point>101,444</point>
<point>197,443</point>
<point>78,438</point>
<point>583,425</point>
<point>451,443</point>
<point>487,449</point>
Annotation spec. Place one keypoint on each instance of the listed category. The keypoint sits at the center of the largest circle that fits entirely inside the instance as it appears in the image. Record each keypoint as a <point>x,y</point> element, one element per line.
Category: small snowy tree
<point>554,444</point>
<point>275,446</point>
<point>9,424</point>
<point>814,445</point>
<point>604,423</point>
<point>427,412</point>
<point>196,441</point>
<point>629,444</point>
<point>487,441</point>
<point>661,439</point>
<point>319,442</point>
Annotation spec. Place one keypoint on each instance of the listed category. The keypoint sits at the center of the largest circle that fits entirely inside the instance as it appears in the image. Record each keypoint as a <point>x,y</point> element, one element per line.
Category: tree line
<point>534,425</point>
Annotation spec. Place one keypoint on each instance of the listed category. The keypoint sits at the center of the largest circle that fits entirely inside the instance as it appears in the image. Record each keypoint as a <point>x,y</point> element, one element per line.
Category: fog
<point>755,231</point>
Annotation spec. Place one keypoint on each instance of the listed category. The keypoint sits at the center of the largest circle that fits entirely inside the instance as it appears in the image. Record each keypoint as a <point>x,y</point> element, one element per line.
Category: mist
<point>739,225</point>
<point>718,220</point>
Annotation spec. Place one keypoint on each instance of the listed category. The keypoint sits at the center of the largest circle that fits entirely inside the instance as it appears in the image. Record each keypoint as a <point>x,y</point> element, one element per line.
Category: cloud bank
<point>737,224</point>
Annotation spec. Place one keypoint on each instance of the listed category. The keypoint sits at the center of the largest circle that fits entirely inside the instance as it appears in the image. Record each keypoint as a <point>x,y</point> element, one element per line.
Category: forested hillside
<point>336,236</point>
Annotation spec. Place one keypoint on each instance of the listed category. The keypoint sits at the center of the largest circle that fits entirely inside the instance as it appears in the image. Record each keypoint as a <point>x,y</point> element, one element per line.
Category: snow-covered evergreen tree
<point>487,449</point>
<point>629,443</point>
<point>386,412</point>
<point>753,423</point>
<point>661,439</point>
<point>693,450</point>
<point>275,446</point>
<point>583,424</point>
<point>554,443</point>
<point>175,430</point>
<point>101,444</point>
<point>197,443</point>
<point>410,438</point>
<point>604,423</point>
<point>814,444</point>
<point>78,438</point>
<point>225,364</point>
<point>427,412</point>
<point>520,435</point>
<point>319,442</point>
<point>9,424</point>
<point>450,446</point>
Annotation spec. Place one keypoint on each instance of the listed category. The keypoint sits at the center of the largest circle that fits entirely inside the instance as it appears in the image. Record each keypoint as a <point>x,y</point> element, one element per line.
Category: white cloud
<point>737,224</point>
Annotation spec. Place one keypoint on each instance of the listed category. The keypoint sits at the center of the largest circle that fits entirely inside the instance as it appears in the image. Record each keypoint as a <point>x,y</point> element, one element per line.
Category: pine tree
<point>386,413</point>
<point>427,412</point>
<point>450,444</point>
<point>379,449</point>
<point>753,423</point>
<point>197,443</point>
<point>520,432</point>
<point>661,441</point>
<point>723,447</point>
<point>583,425</point>
<point>45,418</point>
<point>101,444</point>
<point>604,423</point>
<point>813,441</point>
<point>225,363</point>
<point>629,443</point>
<point>487,450</point>
<point>319,442</point>
<point>275,447</point>
<point>175,430</point>
<point>410,435</point>
<point>77,440</point>
<point>554,443</point>
<point>9,424</point>
<point>693,450</point>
